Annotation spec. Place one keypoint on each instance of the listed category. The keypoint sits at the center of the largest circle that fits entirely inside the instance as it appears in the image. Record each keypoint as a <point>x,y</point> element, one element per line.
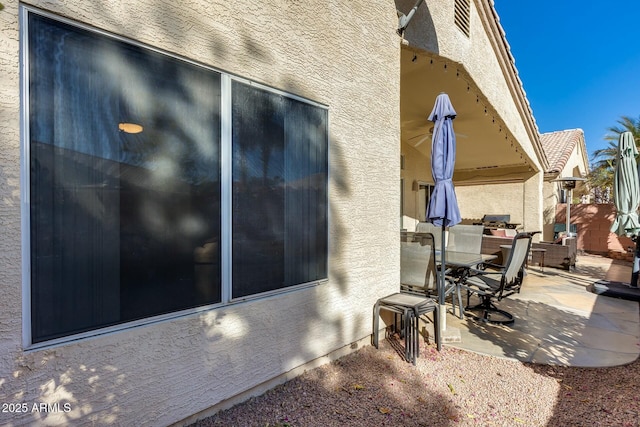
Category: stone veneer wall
<point>342,54</point>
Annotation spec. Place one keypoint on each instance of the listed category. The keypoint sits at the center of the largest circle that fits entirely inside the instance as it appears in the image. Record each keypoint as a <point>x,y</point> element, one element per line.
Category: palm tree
<point>626,124</point>
<point>601,175</point>
<point>606,156</point>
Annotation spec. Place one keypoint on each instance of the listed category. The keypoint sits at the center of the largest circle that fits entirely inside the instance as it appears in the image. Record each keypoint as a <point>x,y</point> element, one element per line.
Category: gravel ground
<point>452,388</point>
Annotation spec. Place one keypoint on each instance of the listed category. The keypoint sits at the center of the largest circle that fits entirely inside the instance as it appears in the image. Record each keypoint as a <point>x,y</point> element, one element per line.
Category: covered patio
<point>492,156</point>
<point>559,322</point>
<point>487,151</point>
<point>498,150</point>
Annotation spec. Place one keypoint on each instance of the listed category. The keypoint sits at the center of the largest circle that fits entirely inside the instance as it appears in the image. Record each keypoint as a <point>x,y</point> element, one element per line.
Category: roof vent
<point>462,15</point>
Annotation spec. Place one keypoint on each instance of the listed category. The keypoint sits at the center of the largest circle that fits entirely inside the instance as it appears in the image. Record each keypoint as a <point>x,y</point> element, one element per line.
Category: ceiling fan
<point>426,136</point>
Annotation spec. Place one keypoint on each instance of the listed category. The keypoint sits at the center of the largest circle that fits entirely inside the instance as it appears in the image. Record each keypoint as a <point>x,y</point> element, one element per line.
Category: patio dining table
<point>458,266</point>
<point>459,262</point>
<point>464,260</point>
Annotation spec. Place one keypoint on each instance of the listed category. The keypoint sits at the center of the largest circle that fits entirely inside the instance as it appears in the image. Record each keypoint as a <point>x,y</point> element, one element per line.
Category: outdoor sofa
<point>559,255</point>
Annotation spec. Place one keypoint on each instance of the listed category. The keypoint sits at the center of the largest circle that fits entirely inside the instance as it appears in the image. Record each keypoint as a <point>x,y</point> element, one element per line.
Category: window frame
<point>226,183</point>
<point>270,90</point>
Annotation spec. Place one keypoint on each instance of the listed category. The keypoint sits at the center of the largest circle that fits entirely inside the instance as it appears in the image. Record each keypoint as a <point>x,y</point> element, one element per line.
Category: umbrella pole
<point>442,321</point>
<point>636,264</point>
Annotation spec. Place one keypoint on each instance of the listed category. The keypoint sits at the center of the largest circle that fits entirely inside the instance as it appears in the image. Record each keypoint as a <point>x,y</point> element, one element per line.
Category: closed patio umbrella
<point>443,208</point>
<point>626,196</point>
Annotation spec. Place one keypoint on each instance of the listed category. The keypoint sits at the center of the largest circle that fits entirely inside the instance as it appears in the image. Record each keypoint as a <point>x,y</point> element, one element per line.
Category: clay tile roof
<point>558,147</point>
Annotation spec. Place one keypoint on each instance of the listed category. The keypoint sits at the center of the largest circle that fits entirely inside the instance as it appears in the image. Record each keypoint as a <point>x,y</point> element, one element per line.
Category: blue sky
<point>579,61</point>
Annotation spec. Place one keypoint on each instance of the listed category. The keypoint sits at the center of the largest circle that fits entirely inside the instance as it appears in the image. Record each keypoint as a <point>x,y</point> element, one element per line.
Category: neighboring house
<point>200,202</point>
<point>567,155</point>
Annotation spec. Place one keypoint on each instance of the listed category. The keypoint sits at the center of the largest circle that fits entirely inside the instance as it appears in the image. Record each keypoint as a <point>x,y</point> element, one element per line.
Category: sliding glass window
<point>279,191</point>
<point>124,181</point>
<point>127,181</point>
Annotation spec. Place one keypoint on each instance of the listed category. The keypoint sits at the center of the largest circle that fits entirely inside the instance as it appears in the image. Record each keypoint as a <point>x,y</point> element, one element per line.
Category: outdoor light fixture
<point>403,20</point>
<point>569,183</point>
<point>130,127</point>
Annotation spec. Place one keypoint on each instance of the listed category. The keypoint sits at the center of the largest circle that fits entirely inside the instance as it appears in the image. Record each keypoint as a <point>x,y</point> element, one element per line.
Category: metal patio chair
<point>465,238</point>
<point>451,289</point>
<point>418,281</point>
<point>491,285</point>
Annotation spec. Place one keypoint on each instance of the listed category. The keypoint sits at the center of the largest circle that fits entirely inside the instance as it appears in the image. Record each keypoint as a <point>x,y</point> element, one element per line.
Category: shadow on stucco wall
<point>93,384</point>
<point>421,31</point>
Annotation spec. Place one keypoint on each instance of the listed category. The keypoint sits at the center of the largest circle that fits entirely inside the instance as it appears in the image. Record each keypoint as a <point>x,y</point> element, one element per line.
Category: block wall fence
<point>593,222</point>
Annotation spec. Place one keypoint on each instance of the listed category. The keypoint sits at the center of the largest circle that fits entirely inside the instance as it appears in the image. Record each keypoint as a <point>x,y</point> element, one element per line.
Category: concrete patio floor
<point>558,321</point>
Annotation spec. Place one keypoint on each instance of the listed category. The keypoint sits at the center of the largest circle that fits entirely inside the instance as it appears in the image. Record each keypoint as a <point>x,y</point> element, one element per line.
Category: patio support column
<point>533,206</point>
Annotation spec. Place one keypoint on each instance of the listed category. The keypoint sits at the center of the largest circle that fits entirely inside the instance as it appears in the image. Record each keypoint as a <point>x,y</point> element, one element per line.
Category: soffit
<point>485,147</point>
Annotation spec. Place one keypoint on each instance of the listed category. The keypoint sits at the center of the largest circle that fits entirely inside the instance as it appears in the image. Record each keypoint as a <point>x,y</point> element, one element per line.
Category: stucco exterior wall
<point>477,200</point>
<point>551,199</point>
<point>433,29</point>
<point>414,171</point>
<point>533,204</point>
<point>522,200</point>
<point>342,54</point>
<point>575,164</point>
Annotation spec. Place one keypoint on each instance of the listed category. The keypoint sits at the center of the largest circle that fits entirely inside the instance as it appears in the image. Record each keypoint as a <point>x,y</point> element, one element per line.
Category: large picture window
<point>126,184</point>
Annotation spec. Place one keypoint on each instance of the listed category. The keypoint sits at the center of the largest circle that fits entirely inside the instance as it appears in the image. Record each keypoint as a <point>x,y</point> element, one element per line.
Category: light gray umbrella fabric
<point>443,208</point>
<point>626,187</point>
<point>626,197</point>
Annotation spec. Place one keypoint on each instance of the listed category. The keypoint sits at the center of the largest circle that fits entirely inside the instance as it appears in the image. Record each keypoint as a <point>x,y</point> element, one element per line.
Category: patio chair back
<point>465,238</point>
<point>513,272</point>
<point>427,227</point>
<point>417,264</point>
